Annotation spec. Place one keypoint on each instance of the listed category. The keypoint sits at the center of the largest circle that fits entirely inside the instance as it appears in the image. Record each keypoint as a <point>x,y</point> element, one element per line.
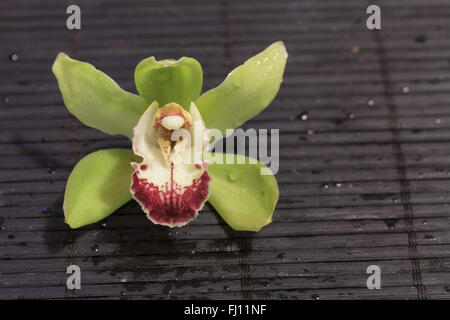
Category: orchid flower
<point>170,178</point>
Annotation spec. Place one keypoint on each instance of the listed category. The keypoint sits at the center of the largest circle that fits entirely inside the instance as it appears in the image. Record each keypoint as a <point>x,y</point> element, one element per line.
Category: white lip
<point>169,175</point>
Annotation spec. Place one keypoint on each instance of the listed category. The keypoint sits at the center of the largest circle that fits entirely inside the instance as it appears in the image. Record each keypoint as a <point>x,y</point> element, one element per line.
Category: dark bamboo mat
<point>364,179</point>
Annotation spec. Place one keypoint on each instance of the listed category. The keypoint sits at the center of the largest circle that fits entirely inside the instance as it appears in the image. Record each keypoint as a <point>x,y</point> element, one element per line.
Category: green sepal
<point>96,99</point>
<point>98,185</point>
<point>242,196</point>
<point>246,91</point>
<point>167,81</point>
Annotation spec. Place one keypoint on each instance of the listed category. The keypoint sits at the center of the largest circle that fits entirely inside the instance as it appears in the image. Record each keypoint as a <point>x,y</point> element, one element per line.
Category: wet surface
<point>364,153</point>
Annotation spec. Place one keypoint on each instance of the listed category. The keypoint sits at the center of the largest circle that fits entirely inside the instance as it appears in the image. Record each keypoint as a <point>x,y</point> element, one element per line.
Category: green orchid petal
<point>97,186</point>
<point>243,197</point>
<point>168,81</point>
<point>96,99</point>
<point>246,91</point>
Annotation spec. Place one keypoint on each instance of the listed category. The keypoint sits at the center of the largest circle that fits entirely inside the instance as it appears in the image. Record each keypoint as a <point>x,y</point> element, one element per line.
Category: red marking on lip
<point>171,204</point>
<point>143,167</point>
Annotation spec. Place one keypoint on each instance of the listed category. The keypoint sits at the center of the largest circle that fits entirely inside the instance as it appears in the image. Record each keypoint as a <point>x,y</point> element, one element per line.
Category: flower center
<point>169,184</point>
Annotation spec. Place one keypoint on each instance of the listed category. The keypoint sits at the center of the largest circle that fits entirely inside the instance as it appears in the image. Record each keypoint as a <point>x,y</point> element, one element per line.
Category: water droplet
<point>371,102</point>
<point>123,280</point>
<point>6,99</point>
<point>193,251</point>
<point>351,115</point>
<point>421,38</point>
<point>405,89</point>
<point>94,247</point>
<point>438,121</point>
<point>103,225</point>
<point>324,185</point>
<point>46,210</point>
<point>390,223</point>
<point>338,184</point>
<point>303,116</point>
<point>167,289</point>
<point>226,288</point>
<point>24,82</point>
<point>235,174</point>
<point>315,296</point>
<point>13,56</point>
<point>237,82</point>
